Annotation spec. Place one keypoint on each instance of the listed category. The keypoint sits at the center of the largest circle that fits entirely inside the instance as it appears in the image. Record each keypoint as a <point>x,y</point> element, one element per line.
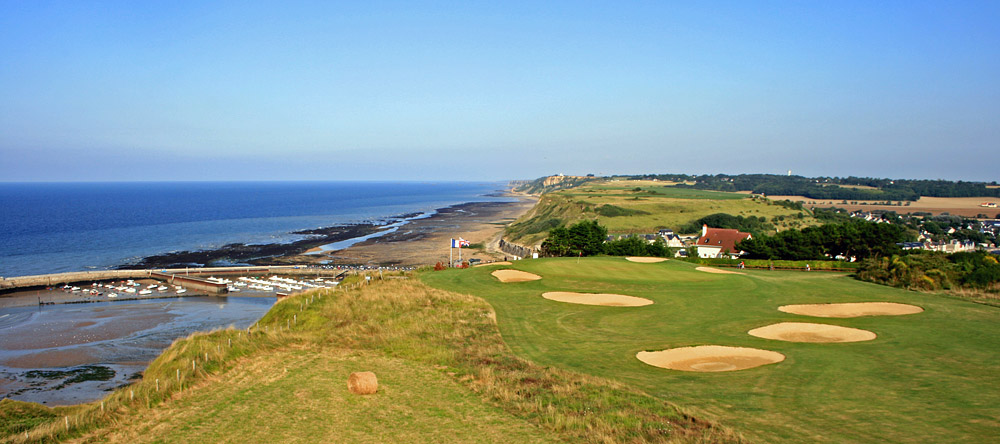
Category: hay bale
<point>362,383</point>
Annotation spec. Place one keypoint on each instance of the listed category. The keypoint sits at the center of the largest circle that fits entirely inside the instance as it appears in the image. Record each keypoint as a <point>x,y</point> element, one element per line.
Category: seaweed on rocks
<point>256,254</point>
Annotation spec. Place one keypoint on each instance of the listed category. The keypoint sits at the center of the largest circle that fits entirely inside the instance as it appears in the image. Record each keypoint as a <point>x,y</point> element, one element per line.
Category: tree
<point>584,238</point>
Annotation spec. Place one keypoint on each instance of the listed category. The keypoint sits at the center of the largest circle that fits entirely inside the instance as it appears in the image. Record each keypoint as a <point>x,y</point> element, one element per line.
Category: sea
<point>61,227</point>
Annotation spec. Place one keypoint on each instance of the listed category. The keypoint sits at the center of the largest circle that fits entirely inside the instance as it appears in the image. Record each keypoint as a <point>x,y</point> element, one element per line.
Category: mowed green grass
<point>928,377</point>
<point>307,401</point>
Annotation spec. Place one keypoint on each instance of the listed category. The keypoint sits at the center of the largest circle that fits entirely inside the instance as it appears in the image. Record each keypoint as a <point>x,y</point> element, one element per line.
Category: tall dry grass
<point>456,334</point>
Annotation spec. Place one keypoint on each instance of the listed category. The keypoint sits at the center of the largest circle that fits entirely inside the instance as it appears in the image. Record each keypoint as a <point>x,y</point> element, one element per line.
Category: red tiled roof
<point>722,237</point>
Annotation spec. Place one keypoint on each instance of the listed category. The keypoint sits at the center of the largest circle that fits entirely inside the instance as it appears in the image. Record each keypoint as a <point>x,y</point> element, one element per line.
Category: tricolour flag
<point>463,243</point>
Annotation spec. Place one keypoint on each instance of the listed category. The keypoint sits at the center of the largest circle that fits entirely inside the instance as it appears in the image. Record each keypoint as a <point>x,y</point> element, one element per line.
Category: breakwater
<point>48,280</point>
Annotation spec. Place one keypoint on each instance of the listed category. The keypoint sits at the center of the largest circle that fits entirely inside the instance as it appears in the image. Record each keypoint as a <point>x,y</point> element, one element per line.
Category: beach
<point>426,241</point>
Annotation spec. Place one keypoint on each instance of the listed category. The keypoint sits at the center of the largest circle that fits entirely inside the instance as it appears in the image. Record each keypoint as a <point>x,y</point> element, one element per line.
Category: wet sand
<point>42,347</point>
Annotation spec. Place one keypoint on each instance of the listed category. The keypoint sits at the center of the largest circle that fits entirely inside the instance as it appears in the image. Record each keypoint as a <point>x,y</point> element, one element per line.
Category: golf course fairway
<point>932,376</point>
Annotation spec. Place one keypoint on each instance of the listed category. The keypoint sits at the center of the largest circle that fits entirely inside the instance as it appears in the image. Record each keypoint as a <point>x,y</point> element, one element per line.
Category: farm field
<point>926,377</point>
<point>957,206</point>
<point>654,207</point>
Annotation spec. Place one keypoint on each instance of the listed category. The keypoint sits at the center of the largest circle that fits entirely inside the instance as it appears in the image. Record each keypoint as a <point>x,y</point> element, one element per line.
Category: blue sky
<point>173,90</point>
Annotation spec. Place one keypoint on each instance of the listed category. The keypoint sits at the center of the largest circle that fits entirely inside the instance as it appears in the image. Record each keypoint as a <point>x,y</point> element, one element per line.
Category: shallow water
<point>81,341</point>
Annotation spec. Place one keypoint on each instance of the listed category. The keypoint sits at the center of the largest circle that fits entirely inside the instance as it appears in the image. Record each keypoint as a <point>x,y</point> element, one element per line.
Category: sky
<point>439,91</point>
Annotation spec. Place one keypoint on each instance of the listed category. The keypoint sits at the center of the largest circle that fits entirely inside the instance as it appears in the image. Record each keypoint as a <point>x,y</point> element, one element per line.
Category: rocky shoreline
<point>408,239</point>
<point>257,254</point>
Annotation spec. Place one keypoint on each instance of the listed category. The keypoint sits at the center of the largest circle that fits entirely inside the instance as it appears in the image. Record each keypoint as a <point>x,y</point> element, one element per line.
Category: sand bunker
<point>646,260</point>
<point>494,263</point>
<point>710,358</point>
<point>851,310</point>
<point>507,276</point>
<point>716,270</point>
<point>807,332</point>
<point>610,300</point>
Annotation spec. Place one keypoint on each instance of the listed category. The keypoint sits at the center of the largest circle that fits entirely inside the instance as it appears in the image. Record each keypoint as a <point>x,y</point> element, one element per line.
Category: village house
<point>719,242</point>
<point>671,239</point>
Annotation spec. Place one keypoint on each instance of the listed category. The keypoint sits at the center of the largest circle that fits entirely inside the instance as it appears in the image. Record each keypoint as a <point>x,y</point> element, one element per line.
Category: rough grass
<point>286,382</point>
<point>928,377</point>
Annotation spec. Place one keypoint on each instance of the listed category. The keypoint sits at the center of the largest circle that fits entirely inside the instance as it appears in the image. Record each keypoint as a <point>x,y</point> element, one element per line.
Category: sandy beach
<point>426,241</point>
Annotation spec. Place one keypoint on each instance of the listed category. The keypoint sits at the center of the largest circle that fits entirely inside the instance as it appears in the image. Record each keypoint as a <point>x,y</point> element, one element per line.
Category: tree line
<point>589,238</point>
<point>851,239</point>
<point>830,188</point>
<point>934,271</point>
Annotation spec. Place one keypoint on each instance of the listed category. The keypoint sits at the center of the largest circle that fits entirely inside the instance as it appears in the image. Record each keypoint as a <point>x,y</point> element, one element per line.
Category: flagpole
<point>451,254</point>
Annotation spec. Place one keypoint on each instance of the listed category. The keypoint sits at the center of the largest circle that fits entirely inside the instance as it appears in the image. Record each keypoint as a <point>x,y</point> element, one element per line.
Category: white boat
<point>130,290</point>
<point>182,290</point>
<point>112,295</point>
<point>146,291</point>
<point>161,288</point>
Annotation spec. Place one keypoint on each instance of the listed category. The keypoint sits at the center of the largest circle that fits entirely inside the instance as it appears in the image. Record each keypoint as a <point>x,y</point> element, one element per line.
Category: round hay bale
<point>362,383</point>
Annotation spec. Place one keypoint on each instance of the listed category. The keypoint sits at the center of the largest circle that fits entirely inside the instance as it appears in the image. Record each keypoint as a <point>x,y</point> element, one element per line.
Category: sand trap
<point>851,310</point>
<point>507,276</point>
<point>710,358</point>
<point>716,270</point>
<point>807,332</point>
<point>607,299</point>
<point>646,260</point>
<point>494,263</point>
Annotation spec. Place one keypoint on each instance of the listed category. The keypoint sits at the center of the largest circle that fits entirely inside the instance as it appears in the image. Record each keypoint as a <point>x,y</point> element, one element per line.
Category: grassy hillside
<point>641,207</point>
<point>927,377</point>
<point>445,376</point>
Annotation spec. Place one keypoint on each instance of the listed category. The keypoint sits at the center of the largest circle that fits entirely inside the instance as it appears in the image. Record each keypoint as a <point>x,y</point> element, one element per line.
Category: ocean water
<point>59,227</point>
